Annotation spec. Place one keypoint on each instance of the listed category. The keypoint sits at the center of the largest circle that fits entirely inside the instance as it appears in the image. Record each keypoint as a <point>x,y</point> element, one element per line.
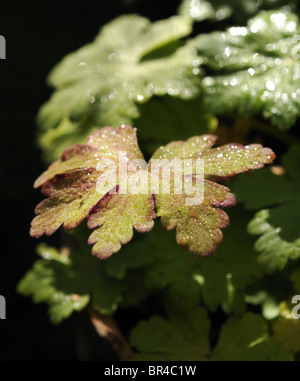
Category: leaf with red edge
<point>116,219</point>
<point>104,143</point>
<point>115,208</point>
<point>72,187</point>
<point>199,225</point>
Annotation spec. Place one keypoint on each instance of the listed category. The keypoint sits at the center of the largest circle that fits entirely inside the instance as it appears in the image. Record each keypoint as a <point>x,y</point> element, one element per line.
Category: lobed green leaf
<point>103,82</point>
<point>255,69</point>
<point>241,339</point>
<point>277,226</point>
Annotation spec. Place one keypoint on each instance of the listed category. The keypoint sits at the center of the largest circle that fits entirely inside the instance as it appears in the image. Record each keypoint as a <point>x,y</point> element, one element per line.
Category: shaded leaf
<point>69,283</point>
<point>162,118</point>
<point>286,329</point>
<point>275,251</point>
<point>279,225</point>
<point>295,278</point>
<point>241,339</point>
<point>246,339</point>
<point>176,339</point>
<point>169,270</point>
<point>225,276</point>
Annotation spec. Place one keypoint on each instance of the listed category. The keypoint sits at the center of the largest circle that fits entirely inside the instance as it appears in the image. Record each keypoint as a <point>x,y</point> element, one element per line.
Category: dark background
<point>38,35</point>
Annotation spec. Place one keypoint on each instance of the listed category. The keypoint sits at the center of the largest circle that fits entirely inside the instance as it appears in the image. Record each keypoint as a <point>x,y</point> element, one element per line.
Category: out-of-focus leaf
<point>68,282</point>
<point>164,117</point>
<point>217,10</point>
<point>295,278</point>
<point>287,329</point>
<point>219,280</point>
<point>201,10</point>
<point>224,276</point>
<point>186,337</point>
<point>268,291</point>
<point>182,339</point>
<point>102,83</point>
<point>246,338</point>
<point>255,68</point>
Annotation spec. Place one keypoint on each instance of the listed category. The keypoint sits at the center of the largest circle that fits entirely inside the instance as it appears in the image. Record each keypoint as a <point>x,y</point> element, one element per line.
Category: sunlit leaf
<point>218,10</point>
<point>102,83</point>
<point>72,187</point>
<point>198,224</point>
<point>81,185</point>
<point>254,69</point>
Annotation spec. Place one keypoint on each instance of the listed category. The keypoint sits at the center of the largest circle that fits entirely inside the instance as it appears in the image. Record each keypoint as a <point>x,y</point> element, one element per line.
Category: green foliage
<point>279,225</point>
<point>78,187</point>
<point>219,280</point>
<point>102,83</point>
<point>67,282</point>
<point>256,68</point>
<point>217,10</point>
<point>156,262</point>
<point>286,329</point>
<point>163,117</point>
<point>295,277</point>
<point>275,251</point>
<point>90,182</point>
<point>185,336</point>
<point>172,87</point>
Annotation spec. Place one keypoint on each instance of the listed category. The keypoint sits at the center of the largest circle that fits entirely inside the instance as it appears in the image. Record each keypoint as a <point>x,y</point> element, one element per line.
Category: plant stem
<point>106,327</point>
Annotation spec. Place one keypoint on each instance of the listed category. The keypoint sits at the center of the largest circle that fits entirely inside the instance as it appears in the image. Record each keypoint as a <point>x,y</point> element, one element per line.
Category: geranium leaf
<point>277,226</point>
<point>287,329</point>
<point>68,281</point>
<point>246,339</point>
<point>102,83</point>
<point>72,187</point>
<point>198,225</point>
<point>105,143</point>
<point>173,339</point>
<point>133,211</point>
<point>186,337</point>
<point>275,251</point>
<point>218,281</point>
<point>81,186</point>
<point>254,68</point>
<point>218,10</point>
